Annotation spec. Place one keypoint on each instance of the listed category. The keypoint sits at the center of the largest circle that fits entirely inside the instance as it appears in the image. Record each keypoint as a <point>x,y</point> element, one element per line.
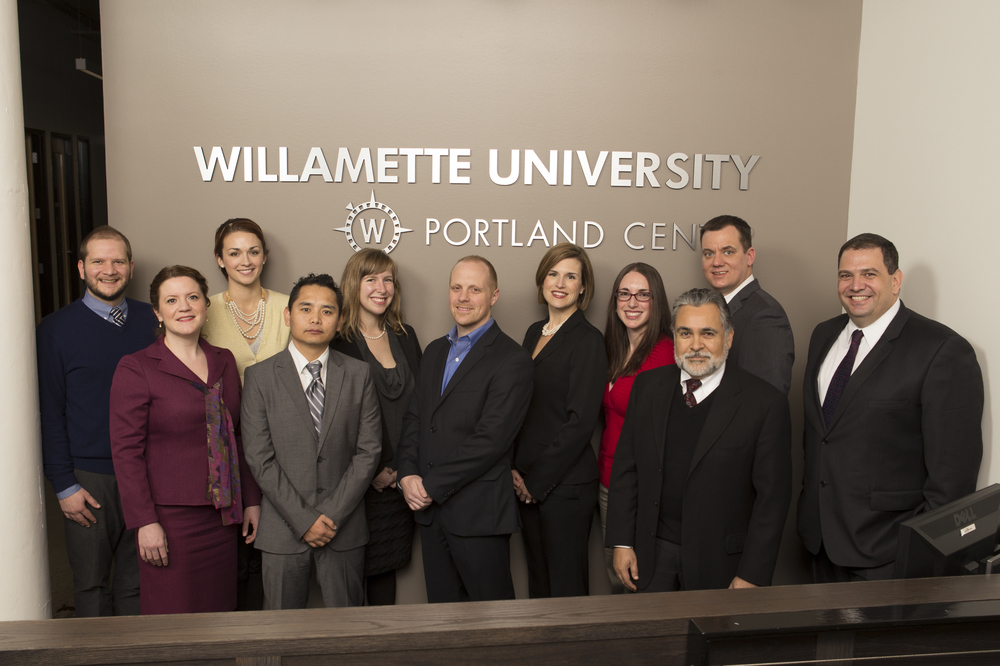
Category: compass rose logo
<point>372,227</point>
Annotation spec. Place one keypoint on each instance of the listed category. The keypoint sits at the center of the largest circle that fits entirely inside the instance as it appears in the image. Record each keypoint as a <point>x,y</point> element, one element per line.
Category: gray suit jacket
<point>763,341</point>
<point>302,475</point>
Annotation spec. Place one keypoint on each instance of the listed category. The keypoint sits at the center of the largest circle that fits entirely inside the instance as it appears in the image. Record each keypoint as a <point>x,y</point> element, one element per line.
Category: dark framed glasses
<point>624,295</point>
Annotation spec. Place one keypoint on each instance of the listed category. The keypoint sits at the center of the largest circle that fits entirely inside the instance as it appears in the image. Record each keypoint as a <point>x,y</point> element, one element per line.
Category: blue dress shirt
<point>460,347</point>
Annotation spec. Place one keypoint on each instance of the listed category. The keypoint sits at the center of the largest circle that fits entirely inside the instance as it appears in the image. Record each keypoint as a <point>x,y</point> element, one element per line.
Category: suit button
<point>822,484</point>
<point>429,465</point>
<point>656,504</point>
<point>320,459</point>
<point>825,442</point>
<point>434,429</point>
<point>319,491</point>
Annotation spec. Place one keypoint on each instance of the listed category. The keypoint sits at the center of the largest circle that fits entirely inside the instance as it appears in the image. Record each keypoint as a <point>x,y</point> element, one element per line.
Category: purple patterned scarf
<point>223,465</point>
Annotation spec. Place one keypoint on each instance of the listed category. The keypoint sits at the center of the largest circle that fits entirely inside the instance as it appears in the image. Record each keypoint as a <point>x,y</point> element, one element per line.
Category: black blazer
<point>553,446</point>
<point>411,350</point>
<point>762,343</point>
<point>906,438</point>
<point>460,442</point>
<point>738,487</point>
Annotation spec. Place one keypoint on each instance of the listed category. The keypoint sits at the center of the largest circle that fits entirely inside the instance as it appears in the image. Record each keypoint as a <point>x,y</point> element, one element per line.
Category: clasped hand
<point>321,532</point>
<point>520,489</point>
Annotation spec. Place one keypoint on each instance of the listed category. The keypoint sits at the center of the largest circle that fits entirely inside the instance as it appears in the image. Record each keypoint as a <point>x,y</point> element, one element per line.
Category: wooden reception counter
<point>929,621</point>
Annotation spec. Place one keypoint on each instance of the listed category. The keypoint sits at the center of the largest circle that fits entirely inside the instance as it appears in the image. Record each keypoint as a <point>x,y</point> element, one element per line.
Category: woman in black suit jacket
<point>555,475</point>
<point>373,331</point>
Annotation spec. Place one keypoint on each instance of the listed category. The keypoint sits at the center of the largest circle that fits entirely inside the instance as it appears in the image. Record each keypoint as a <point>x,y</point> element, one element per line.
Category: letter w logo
<point>369,229</point>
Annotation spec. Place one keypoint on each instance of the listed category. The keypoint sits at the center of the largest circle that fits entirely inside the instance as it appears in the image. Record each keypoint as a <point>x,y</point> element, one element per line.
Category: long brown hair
<point>369,262</point>
<point>616,334</point>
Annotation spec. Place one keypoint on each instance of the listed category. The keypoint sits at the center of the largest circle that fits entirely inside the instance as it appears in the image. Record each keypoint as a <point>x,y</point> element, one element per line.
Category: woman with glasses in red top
<point>637,338</point>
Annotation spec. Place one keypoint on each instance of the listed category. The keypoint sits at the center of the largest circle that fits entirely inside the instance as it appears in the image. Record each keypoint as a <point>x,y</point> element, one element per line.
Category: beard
<point>706,363</point>
<point>94,287</point>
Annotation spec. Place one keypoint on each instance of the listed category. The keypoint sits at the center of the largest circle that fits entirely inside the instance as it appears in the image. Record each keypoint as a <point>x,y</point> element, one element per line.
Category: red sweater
<point>616,402</point>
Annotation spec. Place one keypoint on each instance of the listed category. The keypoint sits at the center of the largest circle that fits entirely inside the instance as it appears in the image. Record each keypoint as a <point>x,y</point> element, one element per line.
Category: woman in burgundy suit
<point>185,487</point>
<point>637,337</point>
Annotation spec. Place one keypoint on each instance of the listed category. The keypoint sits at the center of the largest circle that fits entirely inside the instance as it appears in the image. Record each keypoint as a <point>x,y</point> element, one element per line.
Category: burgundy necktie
<point>693,385</point>
<point>840,378</point>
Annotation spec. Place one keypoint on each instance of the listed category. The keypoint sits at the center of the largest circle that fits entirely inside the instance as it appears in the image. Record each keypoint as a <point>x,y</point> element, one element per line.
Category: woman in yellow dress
<point>249,321</point>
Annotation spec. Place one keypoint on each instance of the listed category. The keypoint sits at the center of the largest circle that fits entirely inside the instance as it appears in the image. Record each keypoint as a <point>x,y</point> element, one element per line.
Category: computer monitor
<point>952,539</point>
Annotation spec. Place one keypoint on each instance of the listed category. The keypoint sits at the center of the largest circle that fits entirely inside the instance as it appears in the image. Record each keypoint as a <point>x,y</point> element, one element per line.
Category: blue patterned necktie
<point>840,378</point>
<point>316,395</point>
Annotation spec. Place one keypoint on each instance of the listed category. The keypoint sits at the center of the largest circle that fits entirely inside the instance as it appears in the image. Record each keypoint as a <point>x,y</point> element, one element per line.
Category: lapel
<point>334,385</point>
<point>669,383</point>
<point>723,409</point>
<point>872,361</point>
<point>744,294</point>
<point>171,365</point>
<point>811,399</point>
<point>476,354</point>
<point>557,338</point>
<point>284,368</point>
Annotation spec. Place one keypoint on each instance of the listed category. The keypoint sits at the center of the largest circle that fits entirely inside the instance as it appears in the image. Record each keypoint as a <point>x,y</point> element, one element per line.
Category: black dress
<point>390,520</point>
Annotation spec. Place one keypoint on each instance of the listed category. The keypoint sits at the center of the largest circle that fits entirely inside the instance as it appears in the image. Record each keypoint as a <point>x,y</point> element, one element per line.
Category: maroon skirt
<point>201,575</point>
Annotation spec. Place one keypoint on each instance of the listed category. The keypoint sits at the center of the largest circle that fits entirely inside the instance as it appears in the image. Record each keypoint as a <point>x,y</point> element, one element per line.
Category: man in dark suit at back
<point>763,341</point>
<point>893,419</point>
<point>701,480</point>
<point>455,449</point>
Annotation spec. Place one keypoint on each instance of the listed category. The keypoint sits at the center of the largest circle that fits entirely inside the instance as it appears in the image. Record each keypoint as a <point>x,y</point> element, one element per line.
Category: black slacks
<point>459,568</point>
<point>556,537</point>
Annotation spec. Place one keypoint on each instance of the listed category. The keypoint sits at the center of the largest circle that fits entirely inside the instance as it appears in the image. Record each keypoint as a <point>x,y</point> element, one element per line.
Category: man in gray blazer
<point>763,342</point>
<point>312,437</point>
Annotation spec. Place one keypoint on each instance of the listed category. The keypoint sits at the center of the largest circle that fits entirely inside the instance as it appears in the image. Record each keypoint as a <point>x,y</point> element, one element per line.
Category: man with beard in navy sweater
<point>78,350</point>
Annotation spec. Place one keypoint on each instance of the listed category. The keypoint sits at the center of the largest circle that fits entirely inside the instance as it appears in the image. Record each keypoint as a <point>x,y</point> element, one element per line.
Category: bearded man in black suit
<point>701,480</point>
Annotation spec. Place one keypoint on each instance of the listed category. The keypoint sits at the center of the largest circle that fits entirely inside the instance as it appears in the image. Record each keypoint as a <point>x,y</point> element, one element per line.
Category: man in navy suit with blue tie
<point>893,419</point>
<point>457,442</point>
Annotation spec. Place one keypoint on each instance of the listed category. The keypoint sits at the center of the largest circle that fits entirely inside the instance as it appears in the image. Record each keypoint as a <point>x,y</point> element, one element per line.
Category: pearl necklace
<point>251,320</point>
<point>377,337</point>
<point>548,329</point>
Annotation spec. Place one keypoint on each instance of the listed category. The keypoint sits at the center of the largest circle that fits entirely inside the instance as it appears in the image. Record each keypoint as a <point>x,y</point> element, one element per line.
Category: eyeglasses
<point>624,295</point>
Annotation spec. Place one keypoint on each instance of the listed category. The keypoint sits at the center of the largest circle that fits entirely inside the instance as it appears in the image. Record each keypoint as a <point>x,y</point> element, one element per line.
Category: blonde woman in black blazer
<point>555,475</point>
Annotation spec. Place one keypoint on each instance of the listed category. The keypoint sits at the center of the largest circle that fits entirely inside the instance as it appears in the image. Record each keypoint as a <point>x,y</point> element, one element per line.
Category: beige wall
<point>770,78</point>
<point>925,164</point>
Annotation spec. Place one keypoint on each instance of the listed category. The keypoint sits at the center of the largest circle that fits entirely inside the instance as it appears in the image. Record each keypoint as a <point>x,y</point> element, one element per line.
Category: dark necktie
<point>840,378</point>
<point>693,385</point>
<point>117,316</point>
<point>316,395</point>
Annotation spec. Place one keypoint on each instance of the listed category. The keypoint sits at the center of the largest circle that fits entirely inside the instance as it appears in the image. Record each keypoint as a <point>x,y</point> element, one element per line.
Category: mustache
<point>695,354</point>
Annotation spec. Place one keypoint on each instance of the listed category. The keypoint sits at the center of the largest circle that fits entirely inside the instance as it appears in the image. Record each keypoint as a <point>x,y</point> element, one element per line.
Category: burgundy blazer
<point>158,436</point>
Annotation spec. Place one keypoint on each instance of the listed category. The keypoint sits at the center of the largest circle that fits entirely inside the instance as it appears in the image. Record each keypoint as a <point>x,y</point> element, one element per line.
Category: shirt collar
<point>874,331</point>
<point>731,295</point>
<point>473,337</point>
<point>102,309</point>
<point>301,362</point>
<point>708,384</point>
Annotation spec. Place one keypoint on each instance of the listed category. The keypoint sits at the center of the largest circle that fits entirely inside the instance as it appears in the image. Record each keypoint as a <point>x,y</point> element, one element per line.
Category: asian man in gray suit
<point>312,437</point>
<point>763,341</point>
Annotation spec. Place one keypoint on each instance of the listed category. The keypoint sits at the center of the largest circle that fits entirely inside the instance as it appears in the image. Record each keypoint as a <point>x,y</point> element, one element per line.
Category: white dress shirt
<point>300,366</point>
<point>708,384</point>
<point>731,295</point>
<point>872,334</point>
